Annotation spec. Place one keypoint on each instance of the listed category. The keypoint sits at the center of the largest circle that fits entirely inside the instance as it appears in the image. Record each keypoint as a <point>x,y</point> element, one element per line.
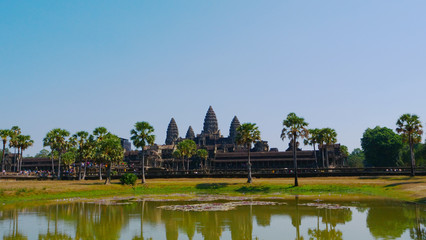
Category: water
<point>286,219</point>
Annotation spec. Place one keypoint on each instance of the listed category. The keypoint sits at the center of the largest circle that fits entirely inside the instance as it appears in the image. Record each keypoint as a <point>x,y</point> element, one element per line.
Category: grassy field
<point>400,188</point>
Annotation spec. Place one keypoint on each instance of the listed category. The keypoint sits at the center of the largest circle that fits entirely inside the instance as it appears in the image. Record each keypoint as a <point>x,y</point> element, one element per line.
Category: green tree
<point>15,131</point>
<point>294,128</point>
<point>329,137</point>
<point>187,149</point>
<point>99,132</point>
<point>381,147</point>
<point>356,158</point>
<point>142,135</point>
<point>69,157</point>
<point>24,142</point>
<point>82,143</point>
<point>313,139</point>
<point>111,152</point>
<point>4,134</point>
<point>411,130</point>
<point>247,134</point>
<point>42,154</point>
<point>344,153</point>
<point>203,155</point>
<point>178,155</point>
<point>57,140</point>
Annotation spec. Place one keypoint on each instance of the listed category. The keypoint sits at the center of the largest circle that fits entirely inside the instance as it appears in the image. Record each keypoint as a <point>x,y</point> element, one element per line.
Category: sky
<point>77,65</point>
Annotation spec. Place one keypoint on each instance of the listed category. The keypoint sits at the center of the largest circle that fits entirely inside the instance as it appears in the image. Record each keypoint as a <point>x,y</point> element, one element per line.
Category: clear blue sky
<point>77,65</point>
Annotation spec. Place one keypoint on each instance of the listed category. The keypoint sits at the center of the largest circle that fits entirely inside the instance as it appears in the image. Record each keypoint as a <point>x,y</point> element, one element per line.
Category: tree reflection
<point>102,221</point>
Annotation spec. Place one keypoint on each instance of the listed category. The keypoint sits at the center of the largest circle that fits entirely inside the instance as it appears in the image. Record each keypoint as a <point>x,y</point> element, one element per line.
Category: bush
<point>128,179</point>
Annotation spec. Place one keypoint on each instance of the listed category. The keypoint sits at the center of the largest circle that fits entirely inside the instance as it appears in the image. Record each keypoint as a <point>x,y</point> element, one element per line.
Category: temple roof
<point>172,132</point>
<point>190,133</point>
<point>210,122</point>
<point>233,128</point>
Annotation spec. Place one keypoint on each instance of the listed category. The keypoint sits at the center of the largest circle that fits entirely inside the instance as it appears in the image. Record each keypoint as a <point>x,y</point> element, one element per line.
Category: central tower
<point>210,122</point>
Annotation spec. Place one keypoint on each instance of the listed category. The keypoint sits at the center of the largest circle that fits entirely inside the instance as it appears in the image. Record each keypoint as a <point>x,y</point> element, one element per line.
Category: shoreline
<point>394,188</point>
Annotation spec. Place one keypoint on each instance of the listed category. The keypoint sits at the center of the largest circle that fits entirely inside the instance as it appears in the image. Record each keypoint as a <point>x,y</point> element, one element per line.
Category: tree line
<point>382,146</point>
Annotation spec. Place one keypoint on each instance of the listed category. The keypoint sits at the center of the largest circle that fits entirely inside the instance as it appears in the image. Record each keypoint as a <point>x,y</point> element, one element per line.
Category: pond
<point>216,218</point>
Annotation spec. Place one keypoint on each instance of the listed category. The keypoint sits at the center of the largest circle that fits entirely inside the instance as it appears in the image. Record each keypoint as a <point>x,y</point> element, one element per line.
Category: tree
<point>15,131</point>
<point>356,158</point>
<point>203,155</point>
<point>4,134</point>
<point>328,136</point>
<point>294,128</point>
<point>69,157</point>
<point>99,132</point>
<point>411,130</point>
<point>178,155</point>
<point>344,153</point>
<point>82,143</point>
<point>24,142</point>
<point>42,154</point>
<point>247,134</point>
<point>142,135</point>
<point>57,140</point>
<point>187,149</point>
<point>381,147</point>
<point>313,139</point>
<point>111,152</point>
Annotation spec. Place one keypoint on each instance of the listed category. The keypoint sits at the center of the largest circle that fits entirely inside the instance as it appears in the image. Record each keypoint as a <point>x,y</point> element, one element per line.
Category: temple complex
<point>225,153</point>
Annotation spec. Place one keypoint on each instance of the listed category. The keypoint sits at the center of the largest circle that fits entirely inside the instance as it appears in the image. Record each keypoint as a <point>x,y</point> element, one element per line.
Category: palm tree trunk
<point>19,159</point>
<point>187,164</point>
<point>53,164</point>
<point>413,161</point>
<point>85,169</point>
<point>315,154</point>
<point>326,156</point>
<point>59,166</point>
<point>296,183</point>
<point>100,171</point>
<point>108,177</point>
<point>249,178</point>
<point>143,167</point>
<point>2,159</point>
<point>322,155</point>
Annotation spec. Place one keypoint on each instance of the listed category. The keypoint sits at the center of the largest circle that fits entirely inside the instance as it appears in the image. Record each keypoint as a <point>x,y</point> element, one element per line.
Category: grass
<point>400,188</point>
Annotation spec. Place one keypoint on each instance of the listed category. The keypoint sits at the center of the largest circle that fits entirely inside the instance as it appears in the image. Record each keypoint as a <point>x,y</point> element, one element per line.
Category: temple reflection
<point>113,221</point>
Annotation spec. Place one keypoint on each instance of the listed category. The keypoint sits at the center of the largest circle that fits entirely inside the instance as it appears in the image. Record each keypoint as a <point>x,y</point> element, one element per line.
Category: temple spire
<point>210,122</point>
<point>190,133</point>
<point>172,132</point>
<point>233,128</point>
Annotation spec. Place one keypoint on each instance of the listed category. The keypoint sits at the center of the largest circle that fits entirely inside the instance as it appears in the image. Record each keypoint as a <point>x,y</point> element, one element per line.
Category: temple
<point>225,153</point>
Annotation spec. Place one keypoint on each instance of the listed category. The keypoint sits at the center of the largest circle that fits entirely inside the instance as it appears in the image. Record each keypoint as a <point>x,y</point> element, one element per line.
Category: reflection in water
<point>134,220</point>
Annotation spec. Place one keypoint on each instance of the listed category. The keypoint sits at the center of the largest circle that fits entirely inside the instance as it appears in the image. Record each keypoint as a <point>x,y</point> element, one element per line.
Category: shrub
<point>128,179</point>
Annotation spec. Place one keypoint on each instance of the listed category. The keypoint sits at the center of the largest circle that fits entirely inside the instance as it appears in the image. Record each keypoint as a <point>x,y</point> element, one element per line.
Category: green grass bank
<point>398,188</point>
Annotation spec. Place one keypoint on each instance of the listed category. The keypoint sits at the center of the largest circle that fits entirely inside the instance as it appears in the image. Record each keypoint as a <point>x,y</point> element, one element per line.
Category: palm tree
<point>48,141</point>
<point>24,142</point>
<point>329,136</point>
<point>15,131</point>
<point>177,154</point>
<point>203,154</point>
<point>142,135</point>
<point>313,139</point>
<point>187,148</point>
<point>111,152</point>
<point>294,127</point>
<point>100,132</point>
<point>57,140</point>
<point>247,134</point>
<point>411,130</point>
<point>82,144</point>
<point>4,134</point>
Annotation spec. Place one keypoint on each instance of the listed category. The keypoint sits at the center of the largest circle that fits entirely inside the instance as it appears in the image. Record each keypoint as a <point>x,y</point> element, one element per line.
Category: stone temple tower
<point>172,132</point>
<point>233,129</point>
<point>210,122</point>
<point>190,133</point>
